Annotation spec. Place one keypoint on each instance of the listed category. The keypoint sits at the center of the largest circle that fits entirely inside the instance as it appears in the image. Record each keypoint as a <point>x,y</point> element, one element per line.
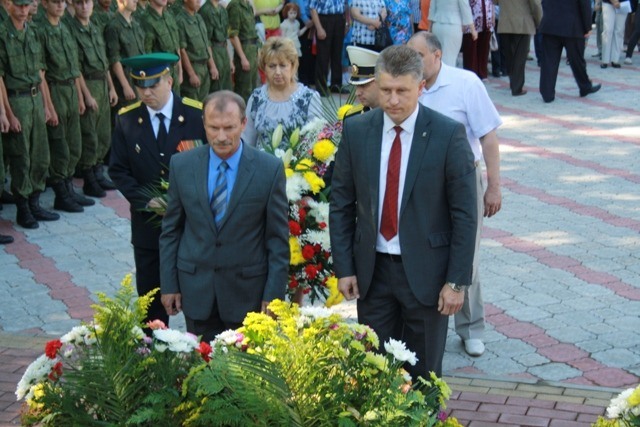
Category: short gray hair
<point>399,60</point>
<point>430,39</point>
<point>220,99</point>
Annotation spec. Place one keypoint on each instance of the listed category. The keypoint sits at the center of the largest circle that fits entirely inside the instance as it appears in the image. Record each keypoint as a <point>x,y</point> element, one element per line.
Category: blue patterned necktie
<point>219,199</point>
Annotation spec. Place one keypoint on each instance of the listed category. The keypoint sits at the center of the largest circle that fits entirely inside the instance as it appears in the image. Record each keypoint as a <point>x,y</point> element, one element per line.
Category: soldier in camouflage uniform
<point>217,22</point>
<point>195,52</point>
<point>103,13</point>
<point>98,94</point>
<point>125,38</point>
<point>21,73</point>
<point>62,73</point>
<point>161,35</point>
<point>244,38</point>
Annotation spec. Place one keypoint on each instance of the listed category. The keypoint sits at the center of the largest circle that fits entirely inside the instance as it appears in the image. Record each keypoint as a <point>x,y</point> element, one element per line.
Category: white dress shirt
<point>167,110</point>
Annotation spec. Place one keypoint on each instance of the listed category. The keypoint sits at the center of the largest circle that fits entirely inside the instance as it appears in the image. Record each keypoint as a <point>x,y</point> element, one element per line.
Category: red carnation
<point>308,252</point>
<point>294,228</point>
<point>317,247</point>
<point>205,351</point>
<point>51,348</point>
<point>302,213</point>
<point>322,225</point>
<point>56,371</point>
<point>293,283</point>
<point>311,271</point>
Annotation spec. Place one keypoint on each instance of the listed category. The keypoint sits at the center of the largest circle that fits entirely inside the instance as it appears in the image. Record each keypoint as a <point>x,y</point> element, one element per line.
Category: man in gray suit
<point>403,213</point>
<point>224,247</point>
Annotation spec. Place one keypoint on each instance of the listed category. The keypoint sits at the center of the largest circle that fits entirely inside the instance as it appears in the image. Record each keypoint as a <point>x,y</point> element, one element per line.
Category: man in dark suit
<point>224,246</point>
<point>403,213</point>
<point>145,137</point>
<point>565,24</point>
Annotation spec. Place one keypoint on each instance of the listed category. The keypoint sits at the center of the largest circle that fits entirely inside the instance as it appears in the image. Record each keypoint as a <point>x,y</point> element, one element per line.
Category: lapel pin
<point>137,149</point>
<point>180,119</point>
<point>139,120</point>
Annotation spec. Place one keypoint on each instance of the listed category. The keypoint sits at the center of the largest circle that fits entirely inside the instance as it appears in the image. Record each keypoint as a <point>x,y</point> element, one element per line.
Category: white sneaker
<point>474,347</point>
<point>628,60</point>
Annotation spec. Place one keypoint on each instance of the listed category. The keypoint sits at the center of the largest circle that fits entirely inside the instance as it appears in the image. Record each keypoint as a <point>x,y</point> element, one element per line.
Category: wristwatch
<point>456,288</point>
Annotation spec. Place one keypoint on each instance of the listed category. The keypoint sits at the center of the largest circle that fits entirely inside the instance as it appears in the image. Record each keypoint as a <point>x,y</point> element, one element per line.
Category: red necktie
<point>389,223</point>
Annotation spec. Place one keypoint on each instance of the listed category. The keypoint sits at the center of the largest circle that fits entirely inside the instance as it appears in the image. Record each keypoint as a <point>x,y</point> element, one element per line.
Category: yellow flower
<point>38,393</point>
<point>323,150</point>
<point>288,172</point>
<point>377,360</point>
<point>296,251</point>
<point>634,399</point>
<point>304,165</point>
<point>164,184</point>
<point>315,182</point>
<point>335,296</point>
<point>343,110</point>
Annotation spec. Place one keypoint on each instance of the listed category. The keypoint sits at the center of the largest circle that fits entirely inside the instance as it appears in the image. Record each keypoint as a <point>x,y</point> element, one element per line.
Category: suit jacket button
<point>161,172</point>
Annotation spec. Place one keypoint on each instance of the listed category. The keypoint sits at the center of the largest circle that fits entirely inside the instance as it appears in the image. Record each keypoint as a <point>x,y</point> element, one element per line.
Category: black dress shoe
<point>603,66</point>
<point>5,239</point>
<point>593,89</point>
<point>522,92</point>
<point>614,65</point>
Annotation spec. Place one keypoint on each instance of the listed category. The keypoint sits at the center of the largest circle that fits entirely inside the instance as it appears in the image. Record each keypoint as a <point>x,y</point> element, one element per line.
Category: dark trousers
<point>329,50</point>
<point>635,36</point>
<point>475,53</point>
<point>306,71</point>
<point>551,55</point>
<point>516,50</point>
<point>392,310</point>
<point>148,278</point>
<point>208,329</point>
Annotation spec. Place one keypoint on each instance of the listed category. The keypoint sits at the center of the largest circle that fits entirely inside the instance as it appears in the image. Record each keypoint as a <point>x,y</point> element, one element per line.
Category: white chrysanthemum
<point>176,341</point>
<point>399,351</point>
<point>36,372</point>
<point>77,335</point>
<point>296,186</point>
<point>320,210</point>
<point>313,128</point>
<point>228,337</point>
<point>316,312</point>
<point>318,237</point>
<point>619,404</point>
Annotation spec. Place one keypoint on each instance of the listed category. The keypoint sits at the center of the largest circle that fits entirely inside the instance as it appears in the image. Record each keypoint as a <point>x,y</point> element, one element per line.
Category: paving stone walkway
<point>560,264</point>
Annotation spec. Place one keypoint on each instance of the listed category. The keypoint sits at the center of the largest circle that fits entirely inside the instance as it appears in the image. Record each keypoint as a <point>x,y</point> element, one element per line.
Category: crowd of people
<point>128,82</point>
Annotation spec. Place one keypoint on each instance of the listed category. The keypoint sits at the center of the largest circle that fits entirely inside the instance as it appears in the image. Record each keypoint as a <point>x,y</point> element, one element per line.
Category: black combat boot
<point>6,239</point>
<point>64,201</point>
<point>24,217</point>
<point>103,181</point>
<point>77,197</point>
<point>37,211</point>
<point>91,186</point>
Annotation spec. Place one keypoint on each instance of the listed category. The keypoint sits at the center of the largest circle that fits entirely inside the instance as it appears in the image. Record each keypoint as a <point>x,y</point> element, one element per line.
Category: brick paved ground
<point>560,264</point>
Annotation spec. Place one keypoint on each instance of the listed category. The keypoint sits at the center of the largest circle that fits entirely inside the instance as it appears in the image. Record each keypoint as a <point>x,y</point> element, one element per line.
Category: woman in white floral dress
<point>282,99</point>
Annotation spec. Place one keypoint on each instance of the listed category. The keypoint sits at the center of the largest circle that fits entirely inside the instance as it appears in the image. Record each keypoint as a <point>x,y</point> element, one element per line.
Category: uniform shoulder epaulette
<point>128,108</point>
<point>356,109</point>
<point>192,103</point>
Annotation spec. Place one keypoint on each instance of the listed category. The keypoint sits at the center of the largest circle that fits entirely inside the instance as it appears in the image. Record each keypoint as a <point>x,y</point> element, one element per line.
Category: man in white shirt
<point>460,95</point>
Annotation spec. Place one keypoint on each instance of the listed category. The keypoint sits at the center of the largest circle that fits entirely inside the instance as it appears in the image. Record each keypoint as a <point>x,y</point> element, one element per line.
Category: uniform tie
<point>389,223</point>
<point>162,131</point>
<point>219,198</point>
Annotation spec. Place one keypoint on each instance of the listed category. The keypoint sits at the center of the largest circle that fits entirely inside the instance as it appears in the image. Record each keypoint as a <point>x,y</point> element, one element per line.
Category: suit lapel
<point>421,134</point>
<point>201,177</point>
<point>147,139</point>
<point>246,170</point>
<point>374,136</point>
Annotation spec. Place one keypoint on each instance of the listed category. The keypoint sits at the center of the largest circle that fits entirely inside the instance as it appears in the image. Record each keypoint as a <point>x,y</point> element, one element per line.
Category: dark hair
<point>220,99</point>
<point>399,60</point>
<point>287,8</point>
<point>432,41</point>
